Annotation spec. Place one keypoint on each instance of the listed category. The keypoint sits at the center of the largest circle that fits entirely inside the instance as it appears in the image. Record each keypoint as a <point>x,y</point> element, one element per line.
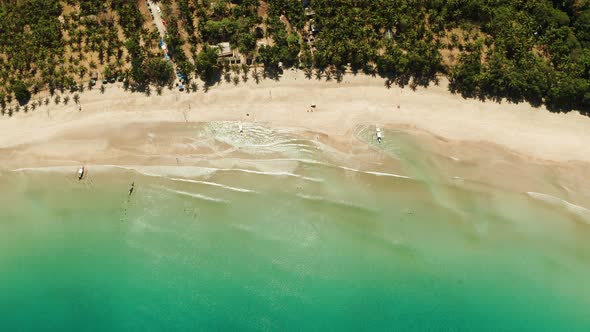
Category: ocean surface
<point>278,231</point>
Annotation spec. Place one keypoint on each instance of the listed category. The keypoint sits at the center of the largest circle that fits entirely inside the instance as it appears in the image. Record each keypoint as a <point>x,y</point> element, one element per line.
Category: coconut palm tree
<point>256,76</point>
<point>57,99</point>
<point>318,74</point>
<point>159,90</point>
<point>339,75</point>
<point>76,98</point>
<point>308,73</point>
<point>46,101</point>
<point>26,108</point>
<point>66,100</point>
<point>236,79</point>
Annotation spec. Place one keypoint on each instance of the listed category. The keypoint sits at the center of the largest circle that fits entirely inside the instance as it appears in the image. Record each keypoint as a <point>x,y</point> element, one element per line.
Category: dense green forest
<point>535,51</point>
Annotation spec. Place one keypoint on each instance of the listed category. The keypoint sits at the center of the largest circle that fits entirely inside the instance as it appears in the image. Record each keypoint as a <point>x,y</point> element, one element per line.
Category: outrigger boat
<point>379,135</point>
<point>80,173</point>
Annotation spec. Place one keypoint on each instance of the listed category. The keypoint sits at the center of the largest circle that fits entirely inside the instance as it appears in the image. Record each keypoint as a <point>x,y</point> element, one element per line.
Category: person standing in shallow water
<point>131,188</point>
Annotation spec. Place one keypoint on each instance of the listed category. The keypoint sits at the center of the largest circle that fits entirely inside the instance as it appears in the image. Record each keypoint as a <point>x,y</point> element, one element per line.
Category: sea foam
<point>580,211</point>
<point>214,184</point>
<point>198,196</point>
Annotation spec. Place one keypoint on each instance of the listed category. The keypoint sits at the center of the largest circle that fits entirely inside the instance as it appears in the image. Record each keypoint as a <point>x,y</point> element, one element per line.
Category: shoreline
<point>117,120</point>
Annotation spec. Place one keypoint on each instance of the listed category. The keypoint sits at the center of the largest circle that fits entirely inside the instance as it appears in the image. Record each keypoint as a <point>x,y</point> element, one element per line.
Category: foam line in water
<point>284,143</point>
<point>271,173</point>
<point>576,209</point>
<point>375,173</point>
<point>300,160</point>
<point>56,169</point>
<point>317,162</point>
<point>199,196</point>
<point>215,184</point>
<point>332,201</point>
<point>311,197</point>
<point>163,171</point>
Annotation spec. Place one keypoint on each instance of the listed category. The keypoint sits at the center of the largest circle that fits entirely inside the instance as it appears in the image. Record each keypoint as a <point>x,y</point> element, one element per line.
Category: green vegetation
<point>207,66</point>
<point>535,51</point>
<point>21,93</point>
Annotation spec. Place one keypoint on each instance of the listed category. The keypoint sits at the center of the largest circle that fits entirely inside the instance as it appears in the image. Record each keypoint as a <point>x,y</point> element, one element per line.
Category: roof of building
<point>224,49</point>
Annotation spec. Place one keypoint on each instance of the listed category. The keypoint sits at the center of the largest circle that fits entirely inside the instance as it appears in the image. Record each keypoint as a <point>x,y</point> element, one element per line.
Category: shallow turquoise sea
<point>321,246</point>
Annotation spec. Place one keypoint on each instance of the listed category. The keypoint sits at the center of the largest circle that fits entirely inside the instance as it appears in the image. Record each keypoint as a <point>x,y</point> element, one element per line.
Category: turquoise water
<point>314,247</point>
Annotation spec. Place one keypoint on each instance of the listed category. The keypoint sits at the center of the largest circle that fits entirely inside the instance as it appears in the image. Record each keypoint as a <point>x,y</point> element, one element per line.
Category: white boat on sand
<point>379,135</point>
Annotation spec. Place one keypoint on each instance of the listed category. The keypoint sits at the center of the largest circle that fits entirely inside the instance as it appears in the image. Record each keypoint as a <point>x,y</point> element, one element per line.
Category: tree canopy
<point>535,51</point>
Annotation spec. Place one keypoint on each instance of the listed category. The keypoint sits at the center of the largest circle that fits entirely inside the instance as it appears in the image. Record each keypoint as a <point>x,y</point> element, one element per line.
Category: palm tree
<point>57,99</point>
<point>308,73</point>
<point>236,79</point>
<point>318,74</point>
<point>16,108</point>
<point>256,76</point>
<point>159,90</point>
<point>76,98</point>
<point>82,72</point>
<point>33,106</point>
<point>46,101</point>
<point>194,86</point>
<point>66,100</point>
<point>102,89</point>
<point>388,83</point>
<point>339,75</point>
<point>148,91</point>
<point>26,108</point>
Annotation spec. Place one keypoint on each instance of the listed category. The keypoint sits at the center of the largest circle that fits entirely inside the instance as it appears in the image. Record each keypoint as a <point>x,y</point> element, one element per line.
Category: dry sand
<point>115,127</point>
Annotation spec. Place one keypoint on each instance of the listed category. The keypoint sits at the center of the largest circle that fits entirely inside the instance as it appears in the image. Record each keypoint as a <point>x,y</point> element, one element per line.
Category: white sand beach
<point>111,125</point>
